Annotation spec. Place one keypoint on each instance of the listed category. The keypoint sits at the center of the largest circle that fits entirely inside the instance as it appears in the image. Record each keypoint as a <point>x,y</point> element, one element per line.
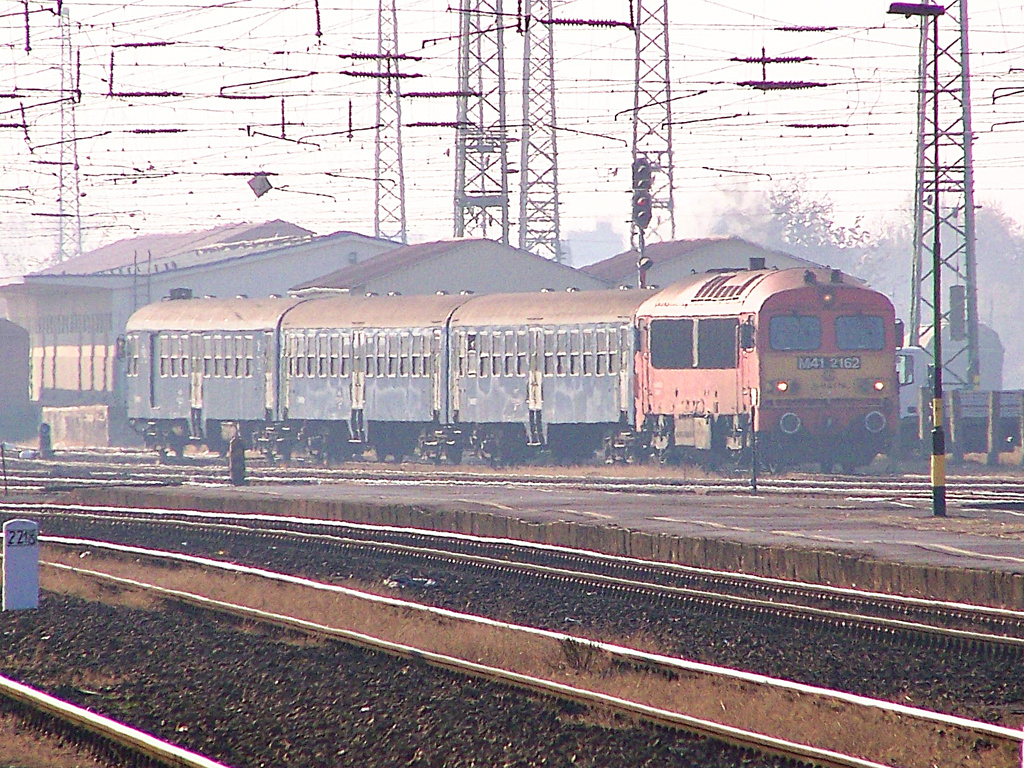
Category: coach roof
<point>211,315</point>
<point>550,308</point>
<point>374,311</point>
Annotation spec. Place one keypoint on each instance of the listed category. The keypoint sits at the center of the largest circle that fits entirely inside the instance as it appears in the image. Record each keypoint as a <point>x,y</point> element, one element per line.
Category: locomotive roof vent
<point>241,296</point>
<point>177,294</point>
<point>809,277</point>
<point>440,293</point>
<point>572,289</point>
<point>394,293</point>
<point>546,290</point>
<point>275,296</point>
<point>625,287</point>
<point>370,293</point>
<point>836,276</point>
<point>756,262</point>
<point>466,293</point>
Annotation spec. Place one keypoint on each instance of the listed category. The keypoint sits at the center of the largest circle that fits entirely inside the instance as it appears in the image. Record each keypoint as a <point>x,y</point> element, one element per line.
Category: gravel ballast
<point>249,695</point>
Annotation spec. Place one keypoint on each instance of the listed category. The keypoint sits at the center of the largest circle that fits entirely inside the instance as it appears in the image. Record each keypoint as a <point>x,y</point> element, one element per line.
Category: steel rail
<point>139,742</point>
<point>736,736</point>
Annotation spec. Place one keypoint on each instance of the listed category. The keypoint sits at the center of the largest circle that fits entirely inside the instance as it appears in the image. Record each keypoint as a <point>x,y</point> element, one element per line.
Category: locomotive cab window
<point>671,343</point>
<point>860,332</point>
<point>801,333</point>
<point>716,342</point>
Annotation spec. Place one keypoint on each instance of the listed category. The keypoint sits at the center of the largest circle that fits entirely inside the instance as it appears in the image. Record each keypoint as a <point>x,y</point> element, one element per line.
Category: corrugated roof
<point>158,253</point>
<point>402,258</point>
<point>622,267</point>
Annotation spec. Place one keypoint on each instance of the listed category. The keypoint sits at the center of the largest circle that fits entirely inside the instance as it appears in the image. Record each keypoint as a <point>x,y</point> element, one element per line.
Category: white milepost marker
<point>21,565</point>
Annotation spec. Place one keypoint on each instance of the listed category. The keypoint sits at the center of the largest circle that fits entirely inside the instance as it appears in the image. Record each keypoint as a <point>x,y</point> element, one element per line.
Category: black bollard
<point>45,444</point>
<point>236,460</point>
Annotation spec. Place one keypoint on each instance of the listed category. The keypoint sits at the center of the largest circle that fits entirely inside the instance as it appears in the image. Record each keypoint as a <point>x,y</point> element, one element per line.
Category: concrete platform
<point>890,545</point>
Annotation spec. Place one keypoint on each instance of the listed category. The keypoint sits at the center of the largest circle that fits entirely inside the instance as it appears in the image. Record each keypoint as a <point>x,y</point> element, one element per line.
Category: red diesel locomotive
<point>807,356</point>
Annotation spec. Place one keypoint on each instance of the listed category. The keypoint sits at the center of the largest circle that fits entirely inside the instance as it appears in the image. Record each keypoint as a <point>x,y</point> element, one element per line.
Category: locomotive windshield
<point>795,332</point>
<point>860,332</point>
<point>672,343</point>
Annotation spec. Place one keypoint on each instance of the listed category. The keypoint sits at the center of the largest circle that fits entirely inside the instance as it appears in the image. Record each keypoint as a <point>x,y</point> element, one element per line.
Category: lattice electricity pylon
<point>539,227</point>
<point>68,207</point>
<point>388,168</point>
<point>944,78</point>
<point>652,113</point>
<point>481,137</point>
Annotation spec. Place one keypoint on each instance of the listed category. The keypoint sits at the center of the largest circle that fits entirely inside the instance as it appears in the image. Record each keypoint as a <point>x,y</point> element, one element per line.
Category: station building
<point>452,266</point>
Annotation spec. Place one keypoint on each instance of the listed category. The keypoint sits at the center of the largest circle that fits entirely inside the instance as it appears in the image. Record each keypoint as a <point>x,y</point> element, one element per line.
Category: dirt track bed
<point>248,696</point>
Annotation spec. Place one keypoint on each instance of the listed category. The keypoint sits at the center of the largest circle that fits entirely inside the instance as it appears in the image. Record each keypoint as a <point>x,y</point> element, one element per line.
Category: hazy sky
<point>134,180</point>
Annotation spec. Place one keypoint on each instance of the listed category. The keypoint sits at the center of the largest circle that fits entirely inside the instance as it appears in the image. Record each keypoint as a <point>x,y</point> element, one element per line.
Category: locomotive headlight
<point>782,386</point>
<point>879,385</point>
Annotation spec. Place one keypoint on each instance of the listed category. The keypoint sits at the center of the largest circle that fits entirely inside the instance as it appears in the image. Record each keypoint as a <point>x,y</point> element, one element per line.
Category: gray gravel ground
<point>252,696</point>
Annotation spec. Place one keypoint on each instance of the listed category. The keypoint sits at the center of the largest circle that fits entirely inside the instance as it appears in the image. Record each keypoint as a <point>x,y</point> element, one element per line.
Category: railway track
<point>108,739</point>
<point>952,732</point>
<point>993,630</point>
<point>90,468</point>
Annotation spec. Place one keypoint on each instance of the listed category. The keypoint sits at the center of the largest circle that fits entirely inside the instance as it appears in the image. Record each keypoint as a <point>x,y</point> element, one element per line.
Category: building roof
<point>157,253</point>
<point>623,266</point>
<point>402,258</point>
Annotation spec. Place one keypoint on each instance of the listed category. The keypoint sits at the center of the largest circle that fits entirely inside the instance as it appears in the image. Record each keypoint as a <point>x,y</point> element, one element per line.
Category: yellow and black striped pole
<point>938,451</point>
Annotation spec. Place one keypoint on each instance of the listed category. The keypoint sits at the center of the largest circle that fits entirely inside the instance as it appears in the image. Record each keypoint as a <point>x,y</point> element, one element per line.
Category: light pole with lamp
<point>938,461</point>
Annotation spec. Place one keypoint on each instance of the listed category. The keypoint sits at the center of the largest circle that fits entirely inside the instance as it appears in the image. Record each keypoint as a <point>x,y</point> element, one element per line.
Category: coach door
<point>196,370</point>
<point>358,385</point>
<point>437,375</point>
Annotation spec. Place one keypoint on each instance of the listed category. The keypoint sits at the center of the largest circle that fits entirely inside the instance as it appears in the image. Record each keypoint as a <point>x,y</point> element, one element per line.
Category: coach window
<point>249,350</point>
<point>497,352</point>
<point>229,356</point>
<point>794,333</point>
<point>404,341</point>
<point>588,352</point>
<point>575,351</point>
<point>522,350</point>
<point>310,350</point>
<point>671,343</point>
<point>321,355</point>
<point>716,342</point>
<point>860,332</point>
<point>207,356</point>
<point>601,337</point>
<point>239,356</point>
<point>345,351</point>
<point>173,344</point>
<point>562,353</point>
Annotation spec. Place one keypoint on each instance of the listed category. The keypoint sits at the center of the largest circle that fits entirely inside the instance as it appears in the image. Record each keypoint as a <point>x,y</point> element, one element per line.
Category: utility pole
<point>944,198</point>
<point>539,228</point>
<point>68,208</point>
<point>388,169</point>
<point>481,135</point>
<point>652,113</point>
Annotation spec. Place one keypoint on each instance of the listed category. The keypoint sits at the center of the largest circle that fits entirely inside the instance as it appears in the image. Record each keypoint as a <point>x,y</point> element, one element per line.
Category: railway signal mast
<point>643,210</point>
<point>652,115</point>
